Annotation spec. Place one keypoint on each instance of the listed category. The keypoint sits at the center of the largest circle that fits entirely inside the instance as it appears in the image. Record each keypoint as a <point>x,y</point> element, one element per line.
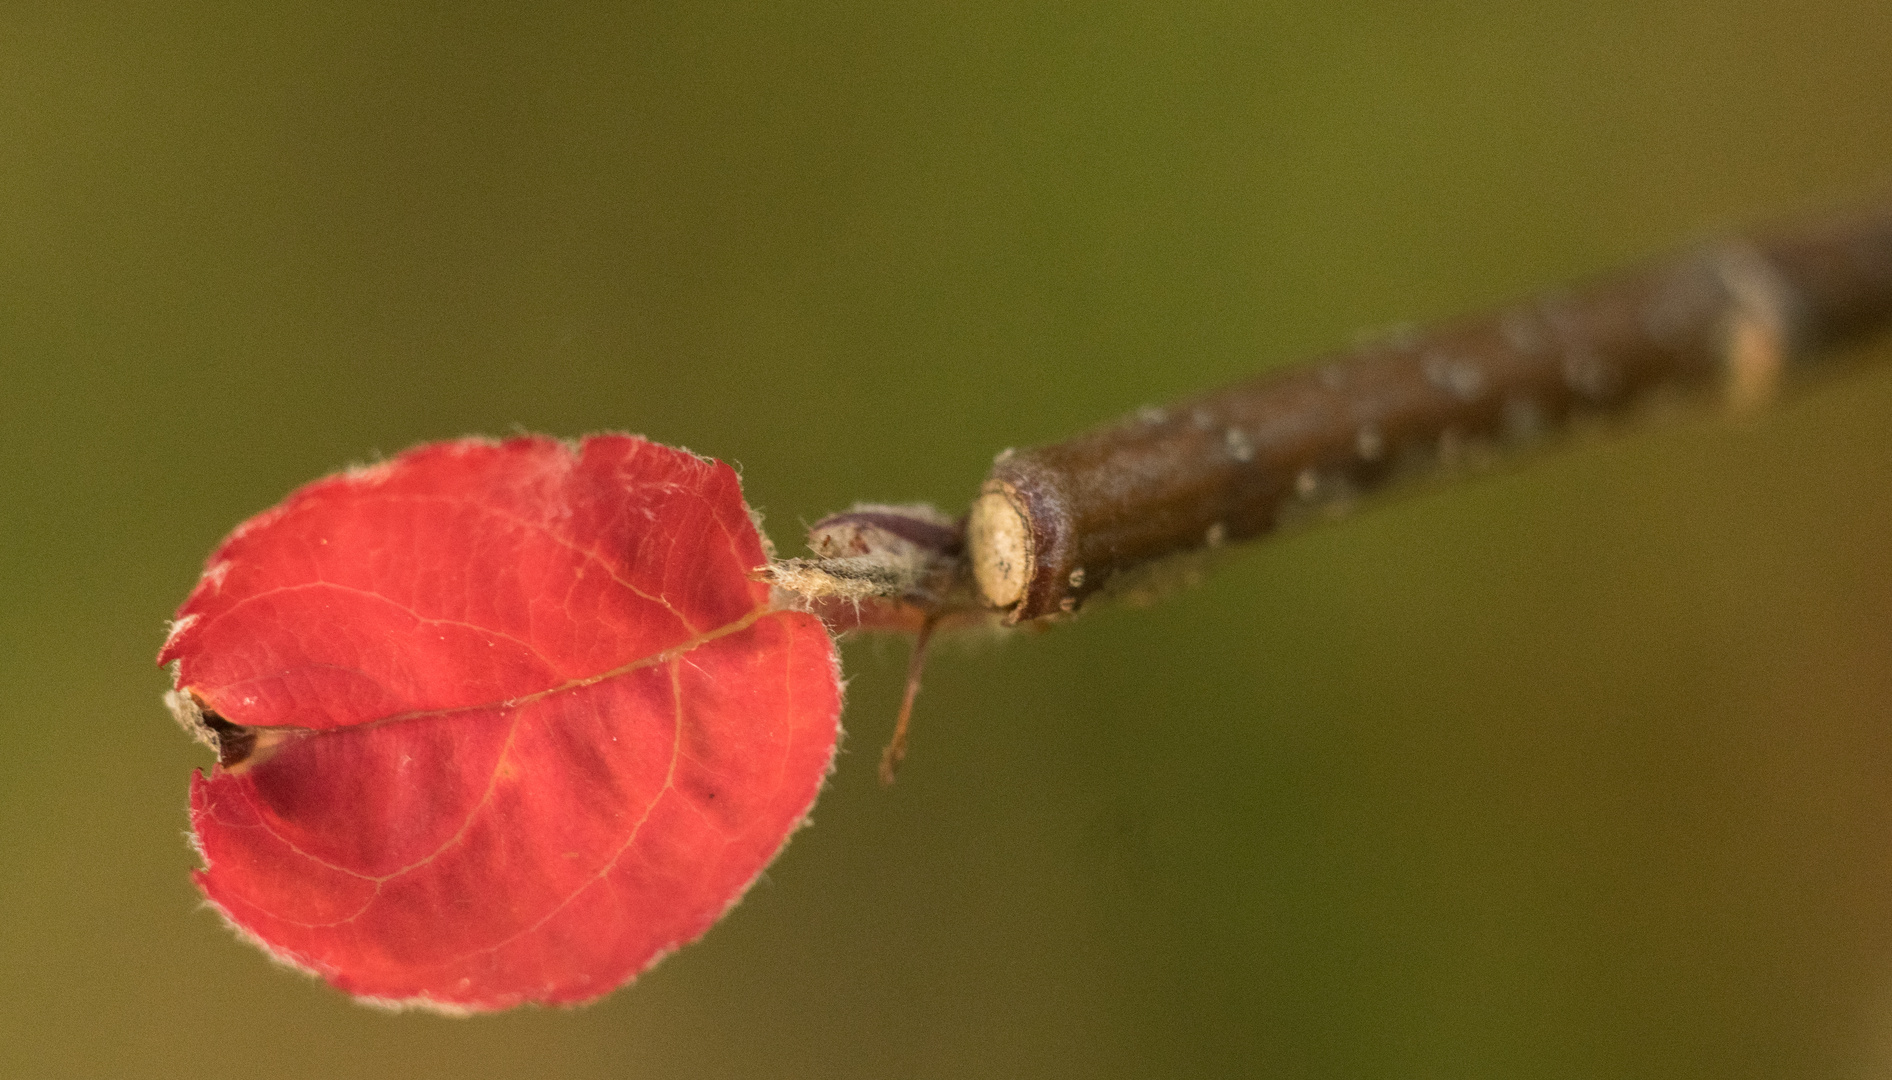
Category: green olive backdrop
<point>1580,770</point>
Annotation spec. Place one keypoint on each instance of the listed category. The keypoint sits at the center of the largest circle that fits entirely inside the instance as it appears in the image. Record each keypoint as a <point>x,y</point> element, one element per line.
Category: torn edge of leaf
<point>238,747</point>
<point>187,712</point>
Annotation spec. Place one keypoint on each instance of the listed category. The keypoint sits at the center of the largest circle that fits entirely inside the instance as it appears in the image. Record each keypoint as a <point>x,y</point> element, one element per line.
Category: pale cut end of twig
<point>1758,332</point>
<point>998,538</point>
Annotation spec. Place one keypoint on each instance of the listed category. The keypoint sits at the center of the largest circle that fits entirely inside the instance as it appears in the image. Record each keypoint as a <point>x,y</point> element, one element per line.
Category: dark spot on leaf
<point>235,743</point>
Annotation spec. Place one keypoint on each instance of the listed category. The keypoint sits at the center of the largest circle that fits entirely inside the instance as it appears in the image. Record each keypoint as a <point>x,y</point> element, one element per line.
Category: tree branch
<point>1734,321</point>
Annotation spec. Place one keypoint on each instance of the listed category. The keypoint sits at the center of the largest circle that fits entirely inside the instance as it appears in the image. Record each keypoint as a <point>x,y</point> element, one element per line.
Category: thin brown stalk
<point>896,749</point>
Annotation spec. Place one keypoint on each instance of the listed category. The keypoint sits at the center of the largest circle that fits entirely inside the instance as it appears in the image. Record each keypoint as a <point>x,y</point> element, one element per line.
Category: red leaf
<point>534,726</point>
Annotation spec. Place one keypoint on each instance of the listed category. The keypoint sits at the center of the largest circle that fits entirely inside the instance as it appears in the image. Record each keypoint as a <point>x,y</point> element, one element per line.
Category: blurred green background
<point>1583,770</point>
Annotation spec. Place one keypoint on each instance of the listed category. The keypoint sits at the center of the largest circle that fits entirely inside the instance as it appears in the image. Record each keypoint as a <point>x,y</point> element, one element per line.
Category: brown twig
<point>1734,320</point>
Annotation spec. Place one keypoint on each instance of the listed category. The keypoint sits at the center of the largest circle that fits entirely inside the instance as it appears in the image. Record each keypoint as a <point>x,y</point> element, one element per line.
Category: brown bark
<point>1731,321</point>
